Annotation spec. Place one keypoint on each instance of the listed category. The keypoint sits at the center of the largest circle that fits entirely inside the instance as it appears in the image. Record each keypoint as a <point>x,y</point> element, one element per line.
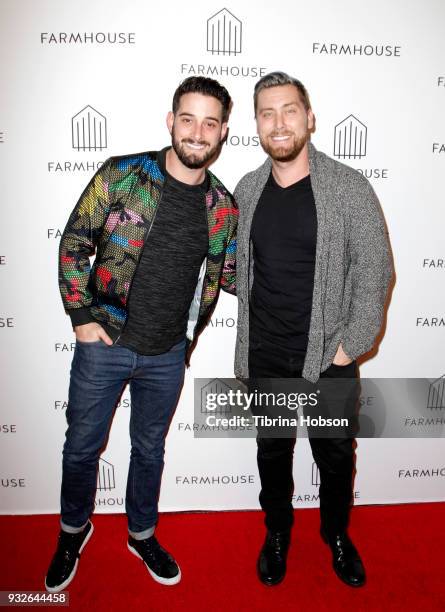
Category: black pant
<point>333,456</point>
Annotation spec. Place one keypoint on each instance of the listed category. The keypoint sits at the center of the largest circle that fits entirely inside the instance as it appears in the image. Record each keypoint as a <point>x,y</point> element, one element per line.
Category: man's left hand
<point>341,359</point>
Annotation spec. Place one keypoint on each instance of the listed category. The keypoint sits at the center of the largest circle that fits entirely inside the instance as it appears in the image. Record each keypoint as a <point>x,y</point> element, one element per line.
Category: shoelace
<point>154,551</point>
<point>345,547</point>
<point>68,547</point>
<point>276,543</point>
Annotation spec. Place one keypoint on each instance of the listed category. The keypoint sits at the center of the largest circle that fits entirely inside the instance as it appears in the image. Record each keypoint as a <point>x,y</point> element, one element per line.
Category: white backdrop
<point>381,62</point>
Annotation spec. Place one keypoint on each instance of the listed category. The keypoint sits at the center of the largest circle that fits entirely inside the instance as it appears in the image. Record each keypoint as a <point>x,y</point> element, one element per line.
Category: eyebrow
<point>184,114</point>
<point>283,106</point>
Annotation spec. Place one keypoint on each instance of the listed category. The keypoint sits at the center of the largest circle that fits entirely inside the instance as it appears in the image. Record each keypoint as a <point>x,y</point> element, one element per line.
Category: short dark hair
<point>274,79</point>
<point>206,87</point>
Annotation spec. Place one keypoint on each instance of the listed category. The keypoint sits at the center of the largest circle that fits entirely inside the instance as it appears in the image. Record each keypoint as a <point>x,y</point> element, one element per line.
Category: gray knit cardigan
<point>353,264</point>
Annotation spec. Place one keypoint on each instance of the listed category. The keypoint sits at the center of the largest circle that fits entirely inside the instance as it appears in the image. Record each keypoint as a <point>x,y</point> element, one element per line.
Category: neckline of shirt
<point>161,159</point>
<point>303,182</point>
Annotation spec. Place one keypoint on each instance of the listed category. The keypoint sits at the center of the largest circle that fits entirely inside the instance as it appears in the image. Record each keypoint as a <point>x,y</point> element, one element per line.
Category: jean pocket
<point>90,343</point>
<point>346,365</point>
<point>343,371</point>
<point>178,347</point>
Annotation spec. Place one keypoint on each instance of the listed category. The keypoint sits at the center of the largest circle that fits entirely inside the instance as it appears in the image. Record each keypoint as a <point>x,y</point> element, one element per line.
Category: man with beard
<point>313,268</point>
<point>163,230</point>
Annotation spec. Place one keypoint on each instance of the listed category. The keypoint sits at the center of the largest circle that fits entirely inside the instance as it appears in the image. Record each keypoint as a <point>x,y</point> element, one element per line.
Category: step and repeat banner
<point>82,81</point>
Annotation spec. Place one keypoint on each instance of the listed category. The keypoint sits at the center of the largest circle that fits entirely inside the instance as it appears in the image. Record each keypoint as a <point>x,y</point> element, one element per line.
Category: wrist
<point>80,316</point>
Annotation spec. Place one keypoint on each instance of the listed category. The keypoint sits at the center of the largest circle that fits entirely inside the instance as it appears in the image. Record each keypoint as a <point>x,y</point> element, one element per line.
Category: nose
<point>279,121</point>
<point>197,131</point>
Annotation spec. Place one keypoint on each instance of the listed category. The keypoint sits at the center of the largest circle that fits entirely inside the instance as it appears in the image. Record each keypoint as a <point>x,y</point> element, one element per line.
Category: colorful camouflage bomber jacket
<point>112,219</point>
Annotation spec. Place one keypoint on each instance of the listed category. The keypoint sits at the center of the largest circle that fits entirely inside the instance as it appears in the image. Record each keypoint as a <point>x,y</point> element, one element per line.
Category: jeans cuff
<point>69,529</point>
<point>142,535</point>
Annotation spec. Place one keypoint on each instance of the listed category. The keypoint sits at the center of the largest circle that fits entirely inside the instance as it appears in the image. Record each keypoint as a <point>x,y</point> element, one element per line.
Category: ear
<point>224,127</point>
<point>310,119</point>
<point>170,120</point>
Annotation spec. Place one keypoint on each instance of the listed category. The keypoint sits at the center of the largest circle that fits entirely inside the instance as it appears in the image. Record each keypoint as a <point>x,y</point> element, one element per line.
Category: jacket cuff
<point>351,348</point>
<point>80,316</point>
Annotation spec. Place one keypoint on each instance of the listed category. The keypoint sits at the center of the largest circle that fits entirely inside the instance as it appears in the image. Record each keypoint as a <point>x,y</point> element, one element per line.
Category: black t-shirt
<point>166,277</point>
<point>284,236</point>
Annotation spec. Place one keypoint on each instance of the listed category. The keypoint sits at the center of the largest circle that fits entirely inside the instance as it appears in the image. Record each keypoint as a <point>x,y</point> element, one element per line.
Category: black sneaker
<point>66,558</point>
<point>161,565</point>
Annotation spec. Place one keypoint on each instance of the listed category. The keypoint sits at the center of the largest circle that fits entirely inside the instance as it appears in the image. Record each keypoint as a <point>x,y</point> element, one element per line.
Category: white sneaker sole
<point>64,584</point>
<point>165,581</point>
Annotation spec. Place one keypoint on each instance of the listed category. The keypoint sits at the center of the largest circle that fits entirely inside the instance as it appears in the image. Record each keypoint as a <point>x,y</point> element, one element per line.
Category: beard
<point>283,153</point>
<point>191,160</point>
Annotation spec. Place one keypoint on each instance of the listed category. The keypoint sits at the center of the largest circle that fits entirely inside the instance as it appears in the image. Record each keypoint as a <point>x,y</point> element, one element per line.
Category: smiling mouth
<point>195,146</point>
<point>280,138</point>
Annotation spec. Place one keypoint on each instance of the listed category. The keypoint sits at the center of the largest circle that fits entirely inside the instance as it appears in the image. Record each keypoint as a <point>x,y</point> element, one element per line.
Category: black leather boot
<point>271,564</point>
<point>345,559</point>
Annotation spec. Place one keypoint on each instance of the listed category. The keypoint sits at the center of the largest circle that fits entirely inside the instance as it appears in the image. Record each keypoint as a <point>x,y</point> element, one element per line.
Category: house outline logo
<point>224,33</point>
<point>350,138</point>
<point>89,130</point>
<point>105,476</point>
<point>315,475</point>
<point>436,394</point>
<point>214,386</point>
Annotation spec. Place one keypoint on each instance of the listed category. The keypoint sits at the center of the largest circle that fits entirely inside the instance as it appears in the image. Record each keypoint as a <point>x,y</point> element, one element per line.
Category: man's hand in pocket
<point>92,332</point>
<point>341,359</point>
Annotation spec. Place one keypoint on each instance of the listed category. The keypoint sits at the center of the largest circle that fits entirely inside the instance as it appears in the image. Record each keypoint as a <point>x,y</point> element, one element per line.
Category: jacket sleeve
<point>78,243</point>
<point>228,277</point>
<point>372,270</point>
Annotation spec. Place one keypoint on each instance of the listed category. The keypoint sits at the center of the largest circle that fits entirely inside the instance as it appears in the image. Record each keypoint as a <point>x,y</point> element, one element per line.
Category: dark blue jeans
<point>98,375</point>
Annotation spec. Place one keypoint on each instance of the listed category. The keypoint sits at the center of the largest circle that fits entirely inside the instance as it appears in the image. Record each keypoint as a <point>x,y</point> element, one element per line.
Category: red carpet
<point>402,546</point>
